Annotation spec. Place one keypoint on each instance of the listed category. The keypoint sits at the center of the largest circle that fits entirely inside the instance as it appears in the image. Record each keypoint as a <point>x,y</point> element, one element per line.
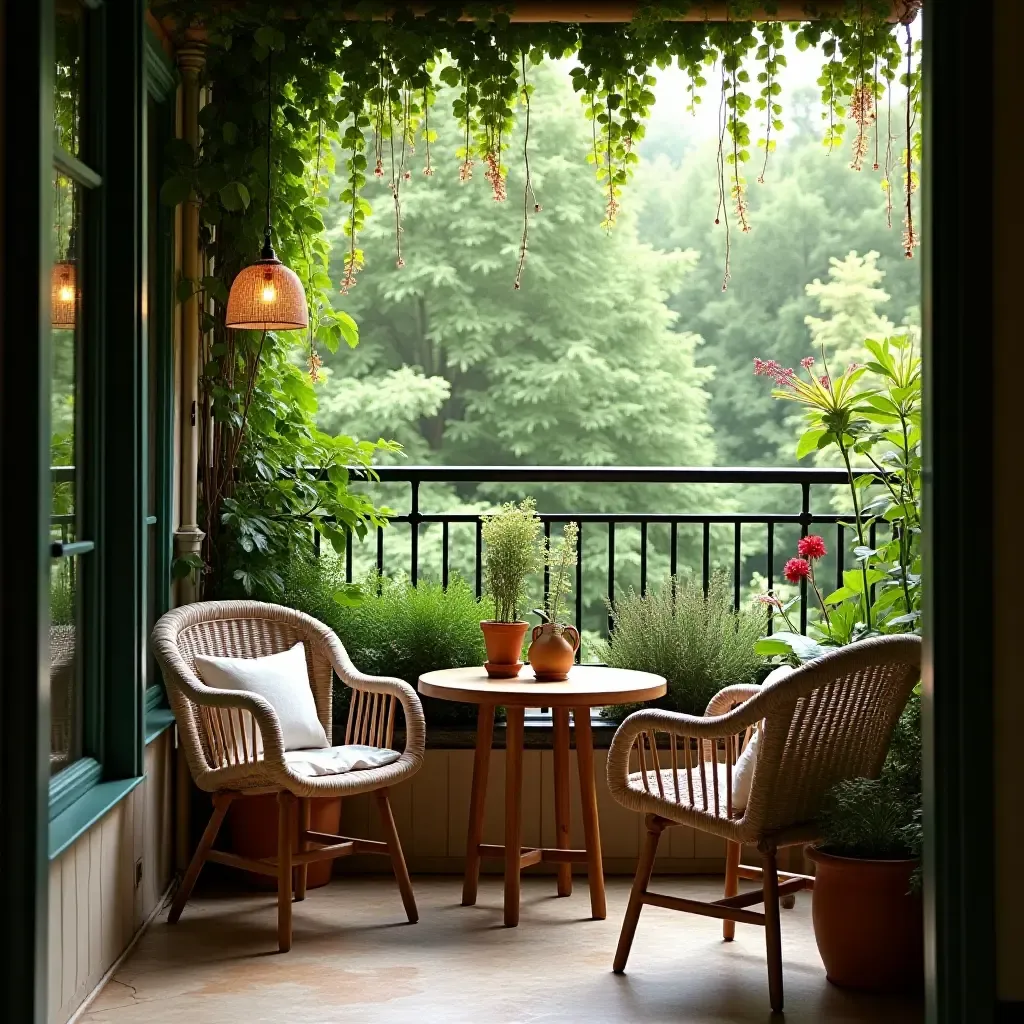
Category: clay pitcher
<point>553,651</point>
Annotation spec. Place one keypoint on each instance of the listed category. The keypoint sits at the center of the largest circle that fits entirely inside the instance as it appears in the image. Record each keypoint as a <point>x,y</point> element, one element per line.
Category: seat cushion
<point>743,773</point>
<point>352,757</point>
<point>282,680</point>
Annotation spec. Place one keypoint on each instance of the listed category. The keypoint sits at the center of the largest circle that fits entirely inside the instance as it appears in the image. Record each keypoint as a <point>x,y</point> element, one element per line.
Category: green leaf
<point>175,190</point>
<point>349,328</point>
<point>234,196</point>
<point>809,442</point>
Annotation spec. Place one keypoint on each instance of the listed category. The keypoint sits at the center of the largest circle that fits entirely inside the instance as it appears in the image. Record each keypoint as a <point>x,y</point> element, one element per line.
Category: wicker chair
<point>218,730</point>
<point>829,720</point>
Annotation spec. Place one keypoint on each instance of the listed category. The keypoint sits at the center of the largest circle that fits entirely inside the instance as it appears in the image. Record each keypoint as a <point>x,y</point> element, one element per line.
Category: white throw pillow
<point>282,680</point>
<point>743,772</point>
<point>353,757</point>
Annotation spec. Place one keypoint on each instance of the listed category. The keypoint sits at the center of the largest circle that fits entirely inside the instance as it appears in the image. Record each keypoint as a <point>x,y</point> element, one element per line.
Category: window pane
<point>65,572</point>
<point>68,89</point>
<point>65,664</point>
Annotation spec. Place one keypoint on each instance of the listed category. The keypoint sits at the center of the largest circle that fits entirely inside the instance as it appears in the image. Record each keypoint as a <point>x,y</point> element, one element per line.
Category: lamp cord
<point>269,135</point>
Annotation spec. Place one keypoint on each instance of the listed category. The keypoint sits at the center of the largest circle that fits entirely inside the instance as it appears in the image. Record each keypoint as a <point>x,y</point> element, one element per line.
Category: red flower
<point>812,547</point>
<point>797,569</point>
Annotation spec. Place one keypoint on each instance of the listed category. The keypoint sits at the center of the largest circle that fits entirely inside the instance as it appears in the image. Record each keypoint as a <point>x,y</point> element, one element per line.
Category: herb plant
<point>560,560</point>
<point>511,556</point>
<point>698,642</point>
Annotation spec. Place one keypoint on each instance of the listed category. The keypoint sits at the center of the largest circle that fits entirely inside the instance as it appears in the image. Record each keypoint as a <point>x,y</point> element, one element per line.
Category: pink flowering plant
<point>871,413</point>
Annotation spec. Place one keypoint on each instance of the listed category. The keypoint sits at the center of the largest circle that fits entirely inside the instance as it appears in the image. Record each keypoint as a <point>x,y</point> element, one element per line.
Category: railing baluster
<point>547,560</point>
<point>380,550</point>
<point>705,559</point>
<point>805,522</point>
<point>643,557</point>
<point>737,564</point>
<point>316,542</point>
<point>840,553</point>
<point>479,557</point>
<point>444,554</point>
<point>611,569</point>
<point>673,558</point>
<point>771,568</point>
<point>348,556</point>
<point>414,538</point>
<point>579,586</point>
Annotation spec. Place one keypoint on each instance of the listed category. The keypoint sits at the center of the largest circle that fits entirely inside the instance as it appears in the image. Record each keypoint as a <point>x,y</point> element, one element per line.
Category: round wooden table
<point>588,686</point>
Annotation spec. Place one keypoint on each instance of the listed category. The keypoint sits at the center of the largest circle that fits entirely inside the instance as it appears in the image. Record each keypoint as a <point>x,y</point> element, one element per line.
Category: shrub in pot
<point>866,907</point>
<point>511,557</point>
<point>699,642</point>
<point>389,627</point>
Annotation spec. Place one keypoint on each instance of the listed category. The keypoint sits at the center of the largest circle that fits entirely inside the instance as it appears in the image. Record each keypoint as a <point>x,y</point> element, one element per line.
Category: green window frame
<point>112,472</point>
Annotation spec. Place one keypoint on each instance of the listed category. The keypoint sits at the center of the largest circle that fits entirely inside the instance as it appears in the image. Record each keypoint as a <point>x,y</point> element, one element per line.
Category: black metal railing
<point>745,525</point>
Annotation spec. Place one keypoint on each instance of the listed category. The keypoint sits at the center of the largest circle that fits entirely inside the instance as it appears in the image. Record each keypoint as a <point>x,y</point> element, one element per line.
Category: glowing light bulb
<point>269,293</point>
<point>66,292</point>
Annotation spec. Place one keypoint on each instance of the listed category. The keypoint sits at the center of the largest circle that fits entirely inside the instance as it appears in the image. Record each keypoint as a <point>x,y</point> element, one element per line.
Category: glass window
<point>68,84</point>
<point>65,536</point>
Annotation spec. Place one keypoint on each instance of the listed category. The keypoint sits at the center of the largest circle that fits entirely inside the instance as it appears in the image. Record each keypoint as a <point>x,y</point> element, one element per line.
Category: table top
<point>587,686</point>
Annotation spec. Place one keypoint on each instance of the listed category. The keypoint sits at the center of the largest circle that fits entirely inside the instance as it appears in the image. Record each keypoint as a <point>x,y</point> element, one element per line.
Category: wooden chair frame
<point>290,867</point>
<point>234,748</point>
<point>829,720</point>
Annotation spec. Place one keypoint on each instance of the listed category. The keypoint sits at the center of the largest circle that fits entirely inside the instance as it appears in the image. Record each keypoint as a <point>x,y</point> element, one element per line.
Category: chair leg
<point>773,929</point>
<point>302,871</point>
<point>642,878</point>
<point>732,883</point>
<point>221,803</point>
<point>387,821</point>
<point>285,834</point>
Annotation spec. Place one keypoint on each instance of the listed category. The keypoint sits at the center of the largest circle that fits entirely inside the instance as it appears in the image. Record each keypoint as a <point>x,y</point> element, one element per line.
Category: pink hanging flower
<point>807,362</point>
<point>769,599</point>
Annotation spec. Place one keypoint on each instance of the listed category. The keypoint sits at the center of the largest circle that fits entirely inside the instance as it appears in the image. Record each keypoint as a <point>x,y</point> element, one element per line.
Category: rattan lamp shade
<point>63,295</point>
<point>267,296</point>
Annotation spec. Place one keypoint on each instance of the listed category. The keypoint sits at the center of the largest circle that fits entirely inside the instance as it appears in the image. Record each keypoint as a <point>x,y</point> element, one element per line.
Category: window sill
<point>158,721</point>
<point>80,816</point>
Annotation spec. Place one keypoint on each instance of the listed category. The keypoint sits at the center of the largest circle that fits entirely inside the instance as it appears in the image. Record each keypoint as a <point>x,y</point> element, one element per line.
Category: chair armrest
<point>261,710</point>
<point>731,697</point>
<point>412,708</point>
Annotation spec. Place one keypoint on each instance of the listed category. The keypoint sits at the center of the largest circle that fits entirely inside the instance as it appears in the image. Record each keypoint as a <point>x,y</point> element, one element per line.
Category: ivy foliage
<point>359,86</point>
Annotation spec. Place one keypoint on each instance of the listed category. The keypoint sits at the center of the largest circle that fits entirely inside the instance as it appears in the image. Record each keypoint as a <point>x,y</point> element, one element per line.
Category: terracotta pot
<point>869,928</point>
<point>553,651</point>
<point>504,642</point>
<point>252,829</point>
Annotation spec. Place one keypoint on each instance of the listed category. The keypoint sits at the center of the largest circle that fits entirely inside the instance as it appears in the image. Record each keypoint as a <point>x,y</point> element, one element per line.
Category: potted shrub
<point>511,557</point>
<point>555,643</point>
<point>866,907</point>
<point>699,642</point>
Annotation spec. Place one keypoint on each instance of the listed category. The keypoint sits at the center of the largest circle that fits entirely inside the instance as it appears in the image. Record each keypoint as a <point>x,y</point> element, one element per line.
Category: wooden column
<point>188,538</point>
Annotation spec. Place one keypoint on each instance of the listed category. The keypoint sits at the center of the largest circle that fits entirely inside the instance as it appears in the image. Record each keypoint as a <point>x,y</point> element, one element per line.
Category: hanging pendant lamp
<point>266,295</point>
<point>64,295</point>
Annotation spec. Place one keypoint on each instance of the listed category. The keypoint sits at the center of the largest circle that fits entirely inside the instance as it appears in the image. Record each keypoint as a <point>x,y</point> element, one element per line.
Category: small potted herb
<point>555,644</point>
<point>866,908</point>
<point>511,557</point>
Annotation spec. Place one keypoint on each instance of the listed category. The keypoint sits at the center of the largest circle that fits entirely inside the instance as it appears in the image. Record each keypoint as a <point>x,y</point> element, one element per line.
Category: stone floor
<point>355,959</point>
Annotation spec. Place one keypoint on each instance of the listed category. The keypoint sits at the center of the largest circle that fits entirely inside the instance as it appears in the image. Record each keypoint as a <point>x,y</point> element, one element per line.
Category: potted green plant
<point>511,557</point>
<point>867,910</point>
<point>555,643</point>
<point>698,641</point>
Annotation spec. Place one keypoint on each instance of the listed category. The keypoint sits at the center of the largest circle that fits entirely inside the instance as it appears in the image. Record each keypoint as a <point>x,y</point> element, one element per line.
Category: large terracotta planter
<point>553,651</point>
<point>252,830</point>
<point>504,643</point>
<point>869,928</point>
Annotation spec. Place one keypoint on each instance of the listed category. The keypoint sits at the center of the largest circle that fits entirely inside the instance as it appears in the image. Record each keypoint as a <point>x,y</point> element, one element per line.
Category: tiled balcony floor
<point>354,959</point>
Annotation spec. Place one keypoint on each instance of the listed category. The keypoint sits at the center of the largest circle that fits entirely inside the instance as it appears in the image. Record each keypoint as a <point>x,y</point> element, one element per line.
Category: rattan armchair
<point>219,732</point>
<point>830,720</point>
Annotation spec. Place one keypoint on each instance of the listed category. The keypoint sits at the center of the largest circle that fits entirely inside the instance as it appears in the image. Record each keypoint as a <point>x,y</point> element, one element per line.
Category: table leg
<point>560,721</point>
<point>588,798</point>
<point>477,802</point>
<point>513,811</point>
